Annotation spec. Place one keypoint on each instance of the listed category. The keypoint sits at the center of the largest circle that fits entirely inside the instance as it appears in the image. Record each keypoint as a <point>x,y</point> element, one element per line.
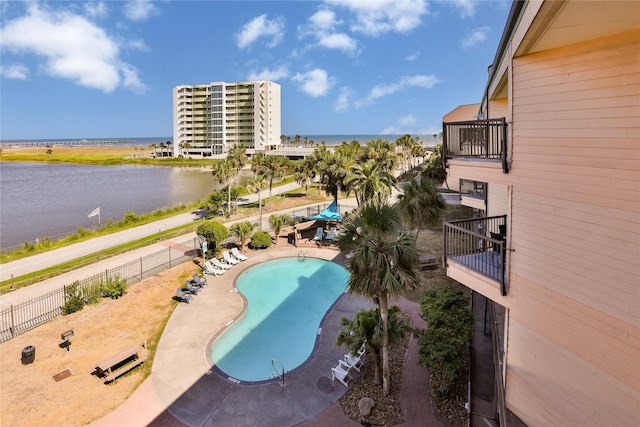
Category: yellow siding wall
<point>573,354</point>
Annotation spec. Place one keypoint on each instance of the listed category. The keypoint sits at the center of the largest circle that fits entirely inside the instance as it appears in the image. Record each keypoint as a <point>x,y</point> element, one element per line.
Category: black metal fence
<point>478,244</point>
<point>20,318</point>
<point>311,211</point>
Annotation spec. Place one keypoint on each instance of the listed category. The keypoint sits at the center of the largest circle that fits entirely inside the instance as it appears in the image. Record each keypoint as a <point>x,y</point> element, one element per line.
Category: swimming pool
<point>286,302</point>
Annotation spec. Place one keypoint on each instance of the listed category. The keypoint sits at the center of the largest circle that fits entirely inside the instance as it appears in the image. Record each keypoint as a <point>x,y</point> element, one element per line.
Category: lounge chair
<point>341,373</point>
<point>331,234</point>
<point>354,362</point>
<point>238,255</point>
<point>319,234</point>
<point>193,289</point>
<point>201,280</point>
<point>182,296</point>
<point>229,259</point>
<point>221,265</point>
<point>209,269</point>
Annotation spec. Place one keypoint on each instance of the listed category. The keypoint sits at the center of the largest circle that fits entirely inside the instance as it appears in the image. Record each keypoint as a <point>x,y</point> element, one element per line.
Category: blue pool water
<point>286,302</point>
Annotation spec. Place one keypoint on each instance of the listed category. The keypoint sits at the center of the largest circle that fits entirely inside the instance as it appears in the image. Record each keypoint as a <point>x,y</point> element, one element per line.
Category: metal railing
<point>483,139</point>
<point>478,244</point>
<point>310,211</point>
<point>20,318</point>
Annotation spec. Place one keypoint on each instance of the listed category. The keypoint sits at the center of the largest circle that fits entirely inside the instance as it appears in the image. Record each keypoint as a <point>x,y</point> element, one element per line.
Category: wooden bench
<point>120,363</point>
<point>428,261</point>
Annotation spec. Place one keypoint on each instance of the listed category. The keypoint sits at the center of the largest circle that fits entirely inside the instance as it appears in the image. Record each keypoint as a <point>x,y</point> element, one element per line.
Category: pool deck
<point>184,391</point>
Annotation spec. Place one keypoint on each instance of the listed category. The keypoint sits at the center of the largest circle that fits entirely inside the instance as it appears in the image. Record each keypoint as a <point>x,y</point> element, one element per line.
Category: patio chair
<point>193,289</point>
<point>229,259</point>
<point>200,280</point>
<point>341,373</point>
<point>221,265</point>
<point>319,234</point>
<point>209,269</point>
<point>182,296</point>
<point>331,234</point>
<point>238,255</point>
<point>354,362</point>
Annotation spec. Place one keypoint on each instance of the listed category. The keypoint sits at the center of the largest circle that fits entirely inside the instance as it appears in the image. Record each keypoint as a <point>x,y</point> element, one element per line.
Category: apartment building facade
<point>209,119</point>
<point>550,163</point>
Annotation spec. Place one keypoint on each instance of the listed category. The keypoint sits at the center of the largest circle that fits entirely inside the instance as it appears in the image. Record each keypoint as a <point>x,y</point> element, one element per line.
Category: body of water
<point>39,200</point>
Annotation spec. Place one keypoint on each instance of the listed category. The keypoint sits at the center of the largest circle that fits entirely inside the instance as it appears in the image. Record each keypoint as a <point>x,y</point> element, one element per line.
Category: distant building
<point>209,119</point>
<point>550,162</point>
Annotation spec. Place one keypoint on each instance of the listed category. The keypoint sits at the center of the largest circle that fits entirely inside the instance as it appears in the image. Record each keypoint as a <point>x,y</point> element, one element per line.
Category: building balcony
<point>477,139</point>
<point>479,245</point>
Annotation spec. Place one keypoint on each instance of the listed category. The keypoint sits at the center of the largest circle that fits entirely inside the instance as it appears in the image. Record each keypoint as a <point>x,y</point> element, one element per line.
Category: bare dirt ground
<point>29,395</point>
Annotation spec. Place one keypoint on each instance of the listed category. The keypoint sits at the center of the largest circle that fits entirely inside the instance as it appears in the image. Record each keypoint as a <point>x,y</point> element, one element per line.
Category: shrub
<point>260,240</point>
<point>447,337</point>
<point>214,232</point>
<point>114,287</point>
<point>72,299</point>
<point>92,293</point>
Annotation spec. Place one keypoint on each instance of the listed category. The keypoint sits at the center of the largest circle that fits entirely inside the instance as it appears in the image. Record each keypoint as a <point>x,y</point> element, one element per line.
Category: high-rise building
<point>209,119</point>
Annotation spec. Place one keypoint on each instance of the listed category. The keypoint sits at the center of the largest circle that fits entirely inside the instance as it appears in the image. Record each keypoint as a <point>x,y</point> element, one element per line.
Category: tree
<point>420,204</point>
<point>366,329</point>
<point>223,171</point>
<point>257,184</point>
<point>381,151</point>
<point>49,152</point>
<point>278,222</point>
<point>370,182</point>
<point>304,172</point>
<point>237,156</point>
<point>242,230</point>
<point>214,232</point>
<point>333,169</point>
<point>382,265</point>
<point>273,171</point>
<point>435,170</point>
<point>214,203</point>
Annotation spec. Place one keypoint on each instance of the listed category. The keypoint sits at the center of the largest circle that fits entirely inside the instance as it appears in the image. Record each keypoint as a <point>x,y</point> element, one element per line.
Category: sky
<point>106,69</point>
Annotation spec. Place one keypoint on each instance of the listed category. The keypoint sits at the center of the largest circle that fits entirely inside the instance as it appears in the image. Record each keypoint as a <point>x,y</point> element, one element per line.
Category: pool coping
<point>316,343</point>
<point>184,380</point>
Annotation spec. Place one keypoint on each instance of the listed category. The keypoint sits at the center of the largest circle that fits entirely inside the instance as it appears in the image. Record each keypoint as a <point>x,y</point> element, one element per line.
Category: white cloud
<point>138,45</point>
<point>274,75</point>
<point>476,37</point>
<point>381,90</point>
<point>139,10</point>
<point>323,27</point>
<point>467,7</point>
<point>415,55</point>
<point>261,27</point>
<point>131,79</point>
<point>343,100</point>
<point>14,71</point>
<point>407,120</point>
<point>374,18</point>
<point>73,48</point>
<point>96,9</point>
<point>315,82</point>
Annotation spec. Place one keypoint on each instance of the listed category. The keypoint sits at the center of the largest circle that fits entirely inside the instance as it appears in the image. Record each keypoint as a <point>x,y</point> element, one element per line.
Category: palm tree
<point>223,171</point>
<point>242,230</point>
<point>273,171</point>
<point>381,151</point>
<point>382,265</point>
<point>366,329</point>
<point>278,222</point>
<point>237,155</point>
<point>435,170</point>
<point>420,205</point>
<point>370,182</point>
<point>257,183</point>
<point>333,169</point>
<point>304,172</point>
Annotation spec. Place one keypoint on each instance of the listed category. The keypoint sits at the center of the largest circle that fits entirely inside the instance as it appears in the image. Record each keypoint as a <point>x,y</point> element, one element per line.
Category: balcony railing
<point>478,244</point>
<point>482,139</point>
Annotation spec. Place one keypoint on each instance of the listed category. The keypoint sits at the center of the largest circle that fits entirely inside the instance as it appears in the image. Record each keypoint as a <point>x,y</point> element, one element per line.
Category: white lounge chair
<point>354,362</point>
<point>331,234</point>
<point>341,373</point>
<point>319,234</point>
<point>239,255</point>
<point>221,265</point>
<point>229,259</point>
<point>209,269</point>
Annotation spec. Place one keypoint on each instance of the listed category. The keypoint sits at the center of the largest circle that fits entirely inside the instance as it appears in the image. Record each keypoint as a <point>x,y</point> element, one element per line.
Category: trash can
<point>28,354</point>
